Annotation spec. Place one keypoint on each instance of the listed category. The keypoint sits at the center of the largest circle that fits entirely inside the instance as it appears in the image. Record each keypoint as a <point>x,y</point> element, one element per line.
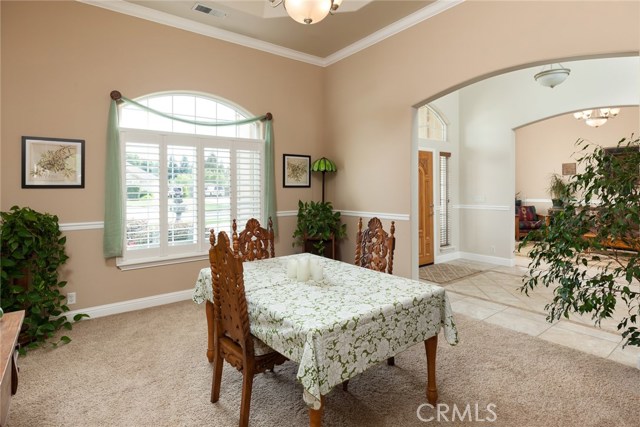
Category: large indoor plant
<point>317,224</point>
<point>558,190</point>
<point>590,252</point>
<point>33,250</point>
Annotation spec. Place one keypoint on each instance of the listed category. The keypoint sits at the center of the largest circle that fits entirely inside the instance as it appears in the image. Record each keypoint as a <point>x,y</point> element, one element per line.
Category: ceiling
<point>255,23</point>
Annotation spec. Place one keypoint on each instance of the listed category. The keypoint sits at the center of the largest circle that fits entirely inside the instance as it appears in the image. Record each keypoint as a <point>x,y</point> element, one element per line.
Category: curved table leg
<point>431,345</point>
<point>209,310</point>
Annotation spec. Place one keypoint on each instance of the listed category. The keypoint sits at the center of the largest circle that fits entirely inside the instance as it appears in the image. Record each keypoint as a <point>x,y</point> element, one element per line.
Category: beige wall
<point>542,148</point>
<point>370,94</point>
<point>358,111</point>
<point>60,60</point>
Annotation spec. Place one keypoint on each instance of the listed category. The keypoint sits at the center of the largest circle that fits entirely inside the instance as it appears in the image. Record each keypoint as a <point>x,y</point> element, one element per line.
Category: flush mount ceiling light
<point>598,117</point>
<point>552,77</point>
<point>308,11</point>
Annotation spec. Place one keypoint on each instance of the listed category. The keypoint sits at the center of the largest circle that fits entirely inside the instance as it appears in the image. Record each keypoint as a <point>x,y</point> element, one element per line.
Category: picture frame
<point>568,169</point>
<point>296,170</point>
<point>52,162</point>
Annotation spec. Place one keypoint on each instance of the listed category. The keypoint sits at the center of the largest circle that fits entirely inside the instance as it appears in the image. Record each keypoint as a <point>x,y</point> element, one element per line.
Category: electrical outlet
<point>71,298</point>
<point>493,249</point>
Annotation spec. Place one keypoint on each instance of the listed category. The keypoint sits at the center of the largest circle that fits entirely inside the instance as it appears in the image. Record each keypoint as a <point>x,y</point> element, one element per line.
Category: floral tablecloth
<point>337,327</point>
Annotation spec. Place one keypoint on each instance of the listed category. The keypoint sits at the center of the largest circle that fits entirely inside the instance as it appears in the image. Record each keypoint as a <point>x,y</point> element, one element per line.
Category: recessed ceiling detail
<point>251,23</point>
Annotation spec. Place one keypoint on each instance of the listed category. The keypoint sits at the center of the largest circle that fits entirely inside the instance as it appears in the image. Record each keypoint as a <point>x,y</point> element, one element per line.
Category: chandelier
<point>597,117</point>
<point>308,11</point>
<point>552,77</point>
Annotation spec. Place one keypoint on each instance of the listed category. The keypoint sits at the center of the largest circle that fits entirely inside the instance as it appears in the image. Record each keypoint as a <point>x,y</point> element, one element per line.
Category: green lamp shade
<point>323,165</point>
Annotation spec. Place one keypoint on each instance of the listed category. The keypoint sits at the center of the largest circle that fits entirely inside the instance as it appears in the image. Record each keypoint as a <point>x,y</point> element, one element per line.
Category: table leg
<point>315,415</point>
<point>209,310</point>
<point>431,345</point>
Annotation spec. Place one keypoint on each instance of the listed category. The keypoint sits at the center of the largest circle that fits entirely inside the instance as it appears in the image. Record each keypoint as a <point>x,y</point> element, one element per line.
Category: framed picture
<point>568,169</point>
<point>52,162</point>
<point>296,170</point>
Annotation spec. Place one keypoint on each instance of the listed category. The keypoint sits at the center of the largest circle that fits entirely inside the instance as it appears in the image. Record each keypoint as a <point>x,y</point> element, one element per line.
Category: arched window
<point>184,179</point>
<point>431,125</point>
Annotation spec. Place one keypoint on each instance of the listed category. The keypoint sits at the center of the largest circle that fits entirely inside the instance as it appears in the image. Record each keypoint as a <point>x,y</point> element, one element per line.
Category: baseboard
<point>446,257</point>
<point>507,262</point>
<point>132,305</point>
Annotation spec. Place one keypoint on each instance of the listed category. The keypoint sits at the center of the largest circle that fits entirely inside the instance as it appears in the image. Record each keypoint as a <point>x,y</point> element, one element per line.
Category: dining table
<point>336,327</point>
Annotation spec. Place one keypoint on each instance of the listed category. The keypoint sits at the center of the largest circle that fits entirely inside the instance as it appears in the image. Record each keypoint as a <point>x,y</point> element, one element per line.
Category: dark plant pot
<point>518,202</point>
<point>557,203</point>
<point>309,247</point>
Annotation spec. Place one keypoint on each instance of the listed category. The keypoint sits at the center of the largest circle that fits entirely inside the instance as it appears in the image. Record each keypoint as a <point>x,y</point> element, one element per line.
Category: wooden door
<point>425,207</point>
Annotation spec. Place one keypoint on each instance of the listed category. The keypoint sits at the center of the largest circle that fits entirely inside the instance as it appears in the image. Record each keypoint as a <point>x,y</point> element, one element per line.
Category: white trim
<point>483,207</point>
<point>137,264</point>
<point>536,201</point>
<point>507,262</point>
<point>131,9</point>
<point>75,226</point>
<point>286,213</point>
<point>390,216</point>
<point>417,17</point>
<point>132,305</point>
<point>446,257</point>
<point>163,18</point>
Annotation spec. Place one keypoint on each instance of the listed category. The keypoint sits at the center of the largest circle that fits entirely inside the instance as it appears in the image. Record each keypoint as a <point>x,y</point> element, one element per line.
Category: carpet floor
<point>148,368</point>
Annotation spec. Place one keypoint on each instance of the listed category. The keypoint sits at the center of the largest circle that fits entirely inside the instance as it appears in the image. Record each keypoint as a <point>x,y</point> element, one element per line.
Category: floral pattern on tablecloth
<point>338,327</point>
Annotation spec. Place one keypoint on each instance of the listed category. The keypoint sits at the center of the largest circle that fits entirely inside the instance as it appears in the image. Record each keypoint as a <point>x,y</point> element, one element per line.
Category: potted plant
<point>557,189</point>
<point>317,225</point>
<point>518,199</point>
<point>32,248</point>
<point>593,262</point>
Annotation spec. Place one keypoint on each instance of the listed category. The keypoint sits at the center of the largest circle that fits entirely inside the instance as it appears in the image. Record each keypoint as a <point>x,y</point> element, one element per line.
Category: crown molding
<point>409,21</point>
<point>135,10</point>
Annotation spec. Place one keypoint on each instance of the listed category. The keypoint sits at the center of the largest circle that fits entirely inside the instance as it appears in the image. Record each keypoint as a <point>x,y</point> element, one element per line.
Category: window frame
<point>446,185</point>
<point>165,253</point>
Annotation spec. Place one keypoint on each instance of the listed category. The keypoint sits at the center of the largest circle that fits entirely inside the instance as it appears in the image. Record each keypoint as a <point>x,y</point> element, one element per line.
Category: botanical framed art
<point>52,162</point>
<point>296,170</point>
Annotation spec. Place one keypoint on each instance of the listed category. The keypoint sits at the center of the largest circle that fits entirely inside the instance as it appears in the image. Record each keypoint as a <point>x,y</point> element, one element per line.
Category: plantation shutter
<point>445,215</point>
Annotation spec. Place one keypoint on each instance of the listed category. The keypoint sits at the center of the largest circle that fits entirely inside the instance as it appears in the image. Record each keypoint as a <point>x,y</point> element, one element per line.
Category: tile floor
<point>493,296</point>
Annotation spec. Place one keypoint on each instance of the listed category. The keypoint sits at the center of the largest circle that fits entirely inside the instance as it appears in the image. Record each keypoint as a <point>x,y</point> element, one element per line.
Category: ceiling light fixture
<point>552,77</point>
<point>598,117</point>
<point>308,11</point>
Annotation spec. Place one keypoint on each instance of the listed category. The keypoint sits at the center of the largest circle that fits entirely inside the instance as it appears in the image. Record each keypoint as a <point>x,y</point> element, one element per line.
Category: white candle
<point>292,269</point>
<point>316,271</point>
<point>303,269</point>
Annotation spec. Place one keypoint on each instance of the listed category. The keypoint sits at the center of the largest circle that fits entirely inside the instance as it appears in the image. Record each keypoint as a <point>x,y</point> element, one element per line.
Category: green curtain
<point>113,239</point>
<point>114,192</point>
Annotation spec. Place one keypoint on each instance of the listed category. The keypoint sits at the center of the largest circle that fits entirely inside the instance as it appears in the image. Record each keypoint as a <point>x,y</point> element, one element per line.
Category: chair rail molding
<point>75,226</point>
<point>381,215</point>
<point>484,207</point>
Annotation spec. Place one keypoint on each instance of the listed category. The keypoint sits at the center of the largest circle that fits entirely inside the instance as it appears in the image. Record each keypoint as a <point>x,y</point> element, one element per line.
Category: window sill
<point>136,264</point>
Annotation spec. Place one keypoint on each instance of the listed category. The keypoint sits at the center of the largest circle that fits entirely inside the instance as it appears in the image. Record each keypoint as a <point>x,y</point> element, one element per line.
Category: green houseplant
<point>558,190</point>
<point>317,224</point>
<point>33,250</point>
<point>590,252</point>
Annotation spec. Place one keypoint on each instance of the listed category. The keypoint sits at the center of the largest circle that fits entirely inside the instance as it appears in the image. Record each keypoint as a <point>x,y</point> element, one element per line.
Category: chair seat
<point>530,225</point>
<point>259,347</point>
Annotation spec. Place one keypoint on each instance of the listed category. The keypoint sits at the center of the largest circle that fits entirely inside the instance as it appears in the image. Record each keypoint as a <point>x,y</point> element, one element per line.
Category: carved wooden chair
<point>233,341</point>
<point>375,247</point>
<point>254,242</point>
<point>374,250</point>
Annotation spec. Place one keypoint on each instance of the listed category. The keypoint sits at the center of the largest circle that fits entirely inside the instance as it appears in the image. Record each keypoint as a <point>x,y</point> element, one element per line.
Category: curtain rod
<point>117,96</point>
